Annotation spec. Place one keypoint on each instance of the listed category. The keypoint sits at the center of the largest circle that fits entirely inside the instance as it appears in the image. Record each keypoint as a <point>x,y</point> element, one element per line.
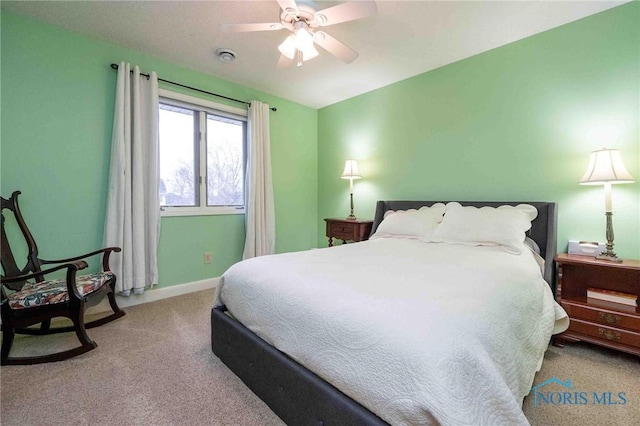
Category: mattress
<point>418,333</point>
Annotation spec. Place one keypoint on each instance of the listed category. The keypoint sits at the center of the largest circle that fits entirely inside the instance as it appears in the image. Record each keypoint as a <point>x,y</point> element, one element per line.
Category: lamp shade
<point>606,166</point>
<point>309,53</point>
<point>288,47</point>
<point>351,170</point>
<point>304,39</point>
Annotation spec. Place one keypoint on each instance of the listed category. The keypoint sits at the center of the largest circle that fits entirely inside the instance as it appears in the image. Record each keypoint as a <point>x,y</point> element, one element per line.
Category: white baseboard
<point>156,293</point>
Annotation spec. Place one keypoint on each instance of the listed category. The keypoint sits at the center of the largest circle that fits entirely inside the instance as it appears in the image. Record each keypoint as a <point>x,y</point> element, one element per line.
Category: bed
<point>400,329</point>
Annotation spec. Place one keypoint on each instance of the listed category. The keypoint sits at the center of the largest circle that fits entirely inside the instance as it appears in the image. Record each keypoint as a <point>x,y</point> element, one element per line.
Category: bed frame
<point>297,395</point>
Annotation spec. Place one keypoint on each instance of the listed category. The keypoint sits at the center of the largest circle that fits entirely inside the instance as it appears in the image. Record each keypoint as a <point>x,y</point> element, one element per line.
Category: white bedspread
<point>416,332</point>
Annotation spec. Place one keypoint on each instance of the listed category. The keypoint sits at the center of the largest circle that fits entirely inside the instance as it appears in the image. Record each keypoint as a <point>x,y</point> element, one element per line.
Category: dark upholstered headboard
<point>543,228</point>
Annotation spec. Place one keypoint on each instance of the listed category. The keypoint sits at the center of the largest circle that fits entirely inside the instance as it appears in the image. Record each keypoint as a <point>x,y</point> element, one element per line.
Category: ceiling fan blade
<point>288,4</point>
<point>344,12</point>
<point>335,47</point>
<point>243,28</point>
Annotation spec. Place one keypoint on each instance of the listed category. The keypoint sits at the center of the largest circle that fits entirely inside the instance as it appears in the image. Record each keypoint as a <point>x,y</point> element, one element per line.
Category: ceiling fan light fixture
<point>301,52</point>
<point>288,47</point>
<point>304,39</point>
<point>309,53</point>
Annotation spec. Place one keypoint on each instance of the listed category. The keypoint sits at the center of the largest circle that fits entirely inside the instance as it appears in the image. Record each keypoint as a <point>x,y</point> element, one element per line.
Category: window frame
<point>187,101</point>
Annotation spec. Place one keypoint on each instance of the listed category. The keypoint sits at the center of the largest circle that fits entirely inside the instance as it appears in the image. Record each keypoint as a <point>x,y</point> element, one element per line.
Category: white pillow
<point>504,226</point>
<point>416,224</point>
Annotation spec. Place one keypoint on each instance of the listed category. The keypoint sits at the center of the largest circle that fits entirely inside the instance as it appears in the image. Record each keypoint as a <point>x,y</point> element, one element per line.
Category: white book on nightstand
<point>612,296</point>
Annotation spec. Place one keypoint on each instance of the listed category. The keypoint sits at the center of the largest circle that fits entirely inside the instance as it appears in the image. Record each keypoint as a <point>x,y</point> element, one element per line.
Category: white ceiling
<point>404,39</point>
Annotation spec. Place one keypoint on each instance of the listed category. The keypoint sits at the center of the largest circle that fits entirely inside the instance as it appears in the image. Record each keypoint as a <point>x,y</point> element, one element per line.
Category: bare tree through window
<point>223,158</point>
<point>225,162</point>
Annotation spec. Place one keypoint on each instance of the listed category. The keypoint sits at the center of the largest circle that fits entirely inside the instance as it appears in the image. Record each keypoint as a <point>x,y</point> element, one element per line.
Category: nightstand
<point>602,323</point>
<point>348,230</point>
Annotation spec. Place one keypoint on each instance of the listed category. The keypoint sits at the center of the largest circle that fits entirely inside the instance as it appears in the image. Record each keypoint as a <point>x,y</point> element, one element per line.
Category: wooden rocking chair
<point>28,298</point>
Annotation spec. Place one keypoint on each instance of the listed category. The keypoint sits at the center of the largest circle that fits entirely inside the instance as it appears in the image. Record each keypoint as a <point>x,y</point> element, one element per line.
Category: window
<point>202,156</point>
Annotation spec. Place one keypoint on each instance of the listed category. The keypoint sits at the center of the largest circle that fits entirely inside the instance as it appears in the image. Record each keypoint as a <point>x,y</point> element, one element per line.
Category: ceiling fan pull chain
<point>298,58</point>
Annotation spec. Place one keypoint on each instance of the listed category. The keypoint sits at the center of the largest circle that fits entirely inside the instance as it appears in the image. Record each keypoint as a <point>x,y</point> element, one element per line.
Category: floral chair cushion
<point>55,291</point>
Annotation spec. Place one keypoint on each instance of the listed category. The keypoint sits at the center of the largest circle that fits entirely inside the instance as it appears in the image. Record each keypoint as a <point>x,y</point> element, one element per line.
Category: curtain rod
<point>116,66</point>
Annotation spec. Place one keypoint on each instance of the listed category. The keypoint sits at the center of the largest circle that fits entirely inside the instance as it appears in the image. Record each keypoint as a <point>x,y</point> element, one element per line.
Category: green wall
<point>515,123</point>
<point>57,110</point>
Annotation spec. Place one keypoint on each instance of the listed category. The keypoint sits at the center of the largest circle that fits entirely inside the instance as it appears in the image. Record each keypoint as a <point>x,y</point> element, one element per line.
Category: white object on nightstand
<point>586,248</point>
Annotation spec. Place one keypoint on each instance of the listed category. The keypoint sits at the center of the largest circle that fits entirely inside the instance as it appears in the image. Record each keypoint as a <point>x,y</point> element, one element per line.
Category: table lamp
<point>351,172</point>
<point>606,168</point>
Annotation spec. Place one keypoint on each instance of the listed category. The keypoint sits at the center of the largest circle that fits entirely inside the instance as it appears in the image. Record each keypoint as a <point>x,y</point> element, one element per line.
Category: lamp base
<point>351,216</point>
<point>609,256</point>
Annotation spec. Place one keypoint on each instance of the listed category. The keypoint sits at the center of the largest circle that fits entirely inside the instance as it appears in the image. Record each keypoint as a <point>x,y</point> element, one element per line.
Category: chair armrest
<point>75,266</point>
<point>105,259</point>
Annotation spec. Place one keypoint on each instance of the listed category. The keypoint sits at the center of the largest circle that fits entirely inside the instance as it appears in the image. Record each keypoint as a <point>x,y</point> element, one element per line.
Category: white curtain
<point>133,209</point>
<point>260,212</point>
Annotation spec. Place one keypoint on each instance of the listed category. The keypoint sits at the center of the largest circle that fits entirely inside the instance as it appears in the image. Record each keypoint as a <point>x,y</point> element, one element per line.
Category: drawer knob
<point>609,318</point>
<point>608,334</point>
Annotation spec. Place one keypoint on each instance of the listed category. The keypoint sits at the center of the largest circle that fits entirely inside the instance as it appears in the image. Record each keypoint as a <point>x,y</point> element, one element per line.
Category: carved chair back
<point>10,268</point>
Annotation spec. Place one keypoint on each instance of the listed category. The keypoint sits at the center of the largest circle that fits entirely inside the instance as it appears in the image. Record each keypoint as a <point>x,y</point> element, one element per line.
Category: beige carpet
<point>155,367</point>
<point>592,370</point>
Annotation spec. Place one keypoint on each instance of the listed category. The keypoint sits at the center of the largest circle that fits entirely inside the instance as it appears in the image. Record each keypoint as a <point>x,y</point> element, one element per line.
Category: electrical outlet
<point>207,257</point>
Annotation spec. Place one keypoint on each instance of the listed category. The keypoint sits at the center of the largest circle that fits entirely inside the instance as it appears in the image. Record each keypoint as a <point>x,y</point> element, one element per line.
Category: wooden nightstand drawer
<point>339,230</point>
<point>601,316</point>
<point>603,332</point>
<point>348,230</point>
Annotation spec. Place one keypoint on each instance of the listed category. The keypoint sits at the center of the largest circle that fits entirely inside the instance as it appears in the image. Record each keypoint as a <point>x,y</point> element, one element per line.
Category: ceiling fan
<point>304,21</point>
